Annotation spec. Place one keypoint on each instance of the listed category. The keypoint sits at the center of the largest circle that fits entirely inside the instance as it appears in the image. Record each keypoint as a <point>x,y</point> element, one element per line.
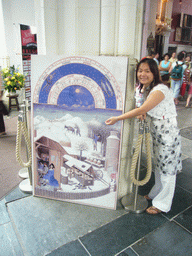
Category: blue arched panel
<point>81,69</point>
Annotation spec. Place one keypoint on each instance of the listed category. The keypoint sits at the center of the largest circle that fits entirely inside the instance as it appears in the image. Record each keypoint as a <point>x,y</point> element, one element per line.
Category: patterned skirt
<point>166,145</point>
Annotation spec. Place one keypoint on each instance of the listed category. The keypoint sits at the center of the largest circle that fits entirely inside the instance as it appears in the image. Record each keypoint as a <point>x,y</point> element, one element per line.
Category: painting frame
<point>84,173</point>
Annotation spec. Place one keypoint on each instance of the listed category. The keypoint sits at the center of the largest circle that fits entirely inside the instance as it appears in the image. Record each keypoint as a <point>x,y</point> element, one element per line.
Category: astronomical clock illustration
<point>75,155</point>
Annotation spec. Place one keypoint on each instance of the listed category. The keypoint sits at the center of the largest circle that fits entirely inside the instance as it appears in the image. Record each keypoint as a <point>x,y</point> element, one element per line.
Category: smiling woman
<point>160,107</point>
<point>144,75</point>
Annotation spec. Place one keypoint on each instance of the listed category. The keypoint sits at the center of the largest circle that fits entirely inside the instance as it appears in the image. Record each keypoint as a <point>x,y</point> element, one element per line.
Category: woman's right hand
<point>142,117</point>
<point>111,120</point>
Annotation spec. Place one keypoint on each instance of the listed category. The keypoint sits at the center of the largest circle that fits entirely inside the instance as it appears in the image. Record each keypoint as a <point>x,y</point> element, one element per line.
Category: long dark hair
<point>166,54</point>
<point>52,165</point>
<point>154,69</point>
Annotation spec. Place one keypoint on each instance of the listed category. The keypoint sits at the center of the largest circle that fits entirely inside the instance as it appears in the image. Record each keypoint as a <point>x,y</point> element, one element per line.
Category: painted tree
<point>81,146</point>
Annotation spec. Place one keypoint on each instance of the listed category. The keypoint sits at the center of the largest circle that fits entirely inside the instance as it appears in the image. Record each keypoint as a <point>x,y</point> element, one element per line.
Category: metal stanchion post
<point>24,173</point>
<point>26,184</point>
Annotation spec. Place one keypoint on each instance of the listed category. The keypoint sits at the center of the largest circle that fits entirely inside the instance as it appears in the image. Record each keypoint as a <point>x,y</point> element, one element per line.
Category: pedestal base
<point>25,186</point>
<point>23,173</point>
<point>128,202</point>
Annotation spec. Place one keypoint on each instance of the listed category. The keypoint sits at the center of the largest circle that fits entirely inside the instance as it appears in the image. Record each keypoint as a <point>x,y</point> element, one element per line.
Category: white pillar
<point>67,26</point>
<point>46,24</point>
<point>152,18</point>
<point>50,19</point>
<point>145,29</point>
<point>166,42</point>
<point>149,23</point>
<point>168,14</point>
<point>169,9</point>
<point>40,25</point>
<point>127,20</point>
<point>139,29</point>
<point>108,15</point>
<point>88,27</point>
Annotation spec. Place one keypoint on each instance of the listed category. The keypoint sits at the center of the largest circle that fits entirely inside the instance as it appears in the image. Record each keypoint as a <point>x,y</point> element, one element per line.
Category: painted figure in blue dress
<point>49,176</point>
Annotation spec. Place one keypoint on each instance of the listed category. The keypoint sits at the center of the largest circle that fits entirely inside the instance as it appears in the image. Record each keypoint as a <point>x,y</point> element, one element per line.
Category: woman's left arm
<point>152,101</point>
<point>171,68</point>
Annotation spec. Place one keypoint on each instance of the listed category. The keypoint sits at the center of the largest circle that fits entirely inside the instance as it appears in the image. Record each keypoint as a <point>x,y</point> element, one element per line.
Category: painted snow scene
<point>75,155</point>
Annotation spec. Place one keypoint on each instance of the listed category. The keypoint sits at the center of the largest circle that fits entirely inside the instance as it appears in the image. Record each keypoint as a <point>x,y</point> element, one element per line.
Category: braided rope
<point>135,158</point>
<point>21,128</point>
<point>149,162</point>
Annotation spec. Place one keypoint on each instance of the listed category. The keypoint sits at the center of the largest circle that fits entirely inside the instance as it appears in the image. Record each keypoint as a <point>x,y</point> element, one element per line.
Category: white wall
<point>81,27</point>
<point>3,49</point>
<point>187,48</point>
<point>16,12</point>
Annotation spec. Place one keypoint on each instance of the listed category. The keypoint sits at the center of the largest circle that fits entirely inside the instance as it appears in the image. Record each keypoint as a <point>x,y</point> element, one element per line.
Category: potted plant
<point>12,79</point>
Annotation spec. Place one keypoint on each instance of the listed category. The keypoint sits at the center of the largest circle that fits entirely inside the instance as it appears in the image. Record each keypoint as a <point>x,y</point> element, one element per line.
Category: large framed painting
<point>75,155</point>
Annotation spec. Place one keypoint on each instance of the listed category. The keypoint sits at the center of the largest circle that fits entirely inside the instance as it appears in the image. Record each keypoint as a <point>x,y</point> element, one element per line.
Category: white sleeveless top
<point>166,108</point>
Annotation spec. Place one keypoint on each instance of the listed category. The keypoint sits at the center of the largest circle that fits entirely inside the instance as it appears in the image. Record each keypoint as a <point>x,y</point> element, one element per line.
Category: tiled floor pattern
<point>187,133</point>
<point>37,226</point>
<point>142,234</point>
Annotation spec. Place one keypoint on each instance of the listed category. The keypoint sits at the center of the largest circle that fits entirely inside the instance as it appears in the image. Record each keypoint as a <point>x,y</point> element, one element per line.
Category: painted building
<point>112,154</point>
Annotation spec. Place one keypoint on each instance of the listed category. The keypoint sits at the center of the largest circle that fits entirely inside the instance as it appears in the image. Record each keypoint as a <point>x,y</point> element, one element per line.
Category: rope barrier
<point>22,129</point>
<point>136,155</point>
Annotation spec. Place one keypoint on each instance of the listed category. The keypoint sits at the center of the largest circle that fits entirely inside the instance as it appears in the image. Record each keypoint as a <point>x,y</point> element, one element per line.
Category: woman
<point>186,80</point>
<point>177,76</point>
<point>165,65</point>
<point>2,126</point>
<point>173,57</point>
<point>3,111</point>
<point>49,176</point>
<point>188,61</point>
<point>189,93</point>
<point>160,107</point>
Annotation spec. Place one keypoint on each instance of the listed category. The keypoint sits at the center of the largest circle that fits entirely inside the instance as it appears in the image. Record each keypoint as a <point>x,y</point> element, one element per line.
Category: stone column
<point>127,21</point>
<point>67,26</point>
<point>46,23</point>
<point>108,15</point>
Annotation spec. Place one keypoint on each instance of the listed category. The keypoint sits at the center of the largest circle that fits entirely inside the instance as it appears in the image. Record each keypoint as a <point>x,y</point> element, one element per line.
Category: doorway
<point>159,44</point>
